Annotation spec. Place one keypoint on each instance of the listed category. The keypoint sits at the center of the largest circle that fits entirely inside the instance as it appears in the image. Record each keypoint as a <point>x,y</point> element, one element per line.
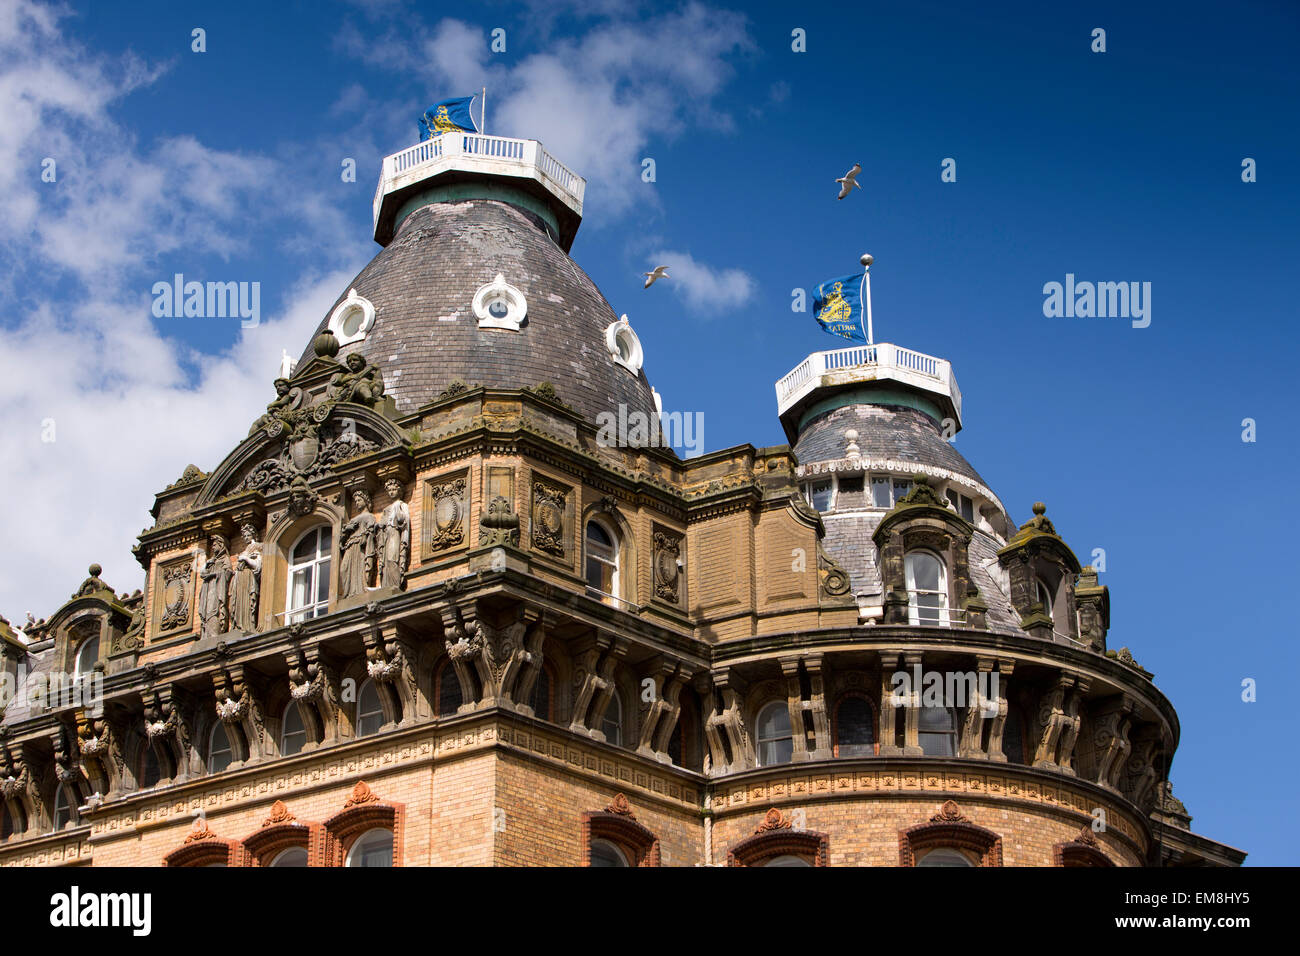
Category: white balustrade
<point>888,361</point>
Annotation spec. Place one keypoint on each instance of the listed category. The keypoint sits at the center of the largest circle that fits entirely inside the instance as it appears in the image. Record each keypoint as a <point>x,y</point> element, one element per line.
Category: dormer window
<point>499,305</point>
<point>87,657</point>
<point>624,346</point>
<point>352,318</point>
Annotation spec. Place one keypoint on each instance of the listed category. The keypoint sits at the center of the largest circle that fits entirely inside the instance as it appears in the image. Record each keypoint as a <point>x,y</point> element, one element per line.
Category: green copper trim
<point>877,394</point>
<point>451,192</point>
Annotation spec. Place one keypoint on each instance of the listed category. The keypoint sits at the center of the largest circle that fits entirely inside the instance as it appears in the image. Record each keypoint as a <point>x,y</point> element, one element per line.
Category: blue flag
<point>837,306</point>
<point>448,116</point>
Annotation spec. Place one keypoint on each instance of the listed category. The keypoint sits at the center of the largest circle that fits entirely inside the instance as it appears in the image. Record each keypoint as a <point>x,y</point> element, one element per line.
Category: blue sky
<point>1115,166</point>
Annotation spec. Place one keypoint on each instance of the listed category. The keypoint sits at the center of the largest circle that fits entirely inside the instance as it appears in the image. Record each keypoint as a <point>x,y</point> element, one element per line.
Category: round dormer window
<point>352,319</point>
<point>499,305</point>
<point>624,346</point>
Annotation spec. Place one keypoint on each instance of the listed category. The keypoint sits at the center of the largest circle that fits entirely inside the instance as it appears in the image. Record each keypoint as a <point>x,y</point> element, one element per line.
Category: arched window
<point>220,753</point>
<point>602,559</point>
<point>854,730</point>
<point>370,712</point>
<point>944,856</point>
<point>309,575</point>
<point>87,657</point>
<point>1046,596</point>
<point>293,856</point>
<point>775,738</point>
<point>293,732</point>
<point>150,768</point>
<point>927,589</point>
<point>448,692</point>
<point>65,808</point>
<point>604,853</point>
<point>611,724</point>
<point>542,695</point>
<point>787,859</point>
<point>374,848</point>
<point>938,731</point>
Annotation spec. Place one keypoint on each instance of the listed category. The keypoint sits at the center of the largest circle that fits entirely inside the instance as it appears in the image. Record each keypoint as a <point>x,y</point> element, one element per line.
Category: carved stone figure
<point>302,498</point>
<point>214,607</point>
<point>361,383</point>
<point>245,587</point>
<point>394,538</point>
<point>287,400</point>
<point>357,545</point>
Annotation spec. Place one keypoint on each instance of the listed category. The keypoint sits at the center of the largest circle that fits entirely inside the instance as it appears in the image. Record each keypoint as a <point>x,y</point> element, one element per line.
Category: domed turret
<point>475,285</point>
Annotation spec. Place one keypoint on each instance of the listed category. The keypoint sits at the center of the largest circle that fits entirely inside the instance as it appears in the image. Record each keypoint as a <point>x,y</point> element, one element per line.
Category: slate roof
<point>884,431</point>
<point>426,335</point>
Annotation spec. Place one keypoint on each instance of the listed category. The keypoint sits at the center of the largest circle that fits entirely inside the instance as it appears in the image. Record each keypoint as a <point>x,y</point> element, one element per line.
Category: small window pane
<point>294,733</point>
<point>901,489</point>
<point>612,723</point>
<point>787,860</point>
<point>968,509</point>
<point>853,730</point>
<point>306,549</point>
<point>954,498</point>
<point>775,737</point>
<point>370,713</point>
<point>604,853</point>
<point>294,856</point>
<point>374,848</point>
<point>220,754</point>
<point>944,857</point>
<point>880,493</point>
<point>819,496</point>
<point>851,486</point>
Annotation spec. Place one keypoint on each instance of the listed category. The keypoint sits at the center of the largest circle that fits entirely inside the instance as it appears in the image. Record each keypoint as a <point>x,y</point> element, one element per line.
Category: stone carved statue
<point>245,588</point>
<point>394,538</point>
<point>361,383</point>
<point>357,546</point>
<point>288,399</point>
<point>214,607</point>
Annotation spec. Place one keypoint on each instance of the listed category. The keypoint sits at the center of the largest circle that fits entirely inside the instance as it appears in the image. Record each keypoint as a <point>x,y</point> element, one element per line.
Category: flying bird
<point>661,272</point>
<point>849,180</point>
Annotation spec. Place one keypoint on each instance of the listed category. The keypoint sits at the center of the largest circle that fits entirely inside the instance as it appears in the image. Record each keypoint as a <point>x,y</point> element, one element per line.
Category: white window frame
<point>612,561</point>
<point>761,738</point>
<point>361,693</point>
<point>498,290</point>
<point>229,748</point>
<point>292,708</point>
<point>313,608</point>
<point>913,608</point>
<point>344,311</point>
<point>353,851</point>
<point>622,330</point>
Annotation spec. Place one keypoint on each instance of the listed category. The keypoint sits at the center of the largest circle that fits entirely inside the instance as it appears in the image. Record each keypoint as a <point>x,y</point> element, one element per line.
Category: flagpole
<point>866,261</point>
<point>482,113</point>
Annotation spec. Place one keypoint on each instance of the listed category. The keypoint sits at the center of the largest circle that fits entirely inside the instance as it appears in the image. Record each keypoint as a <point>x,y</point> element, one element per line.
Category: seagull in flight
<point>661,272</point>
<point>849,180</point>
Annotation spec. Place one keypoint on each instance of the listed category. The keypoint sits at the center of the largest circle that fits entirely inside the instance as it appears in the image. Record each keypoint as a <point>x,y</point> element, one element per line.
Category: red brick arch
<point>949,828</point>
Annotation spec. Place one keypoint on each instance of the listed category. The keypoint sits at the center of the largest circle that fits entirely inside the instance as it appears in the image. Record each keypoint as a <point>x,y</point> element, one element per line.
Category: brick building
<point>434,609</point>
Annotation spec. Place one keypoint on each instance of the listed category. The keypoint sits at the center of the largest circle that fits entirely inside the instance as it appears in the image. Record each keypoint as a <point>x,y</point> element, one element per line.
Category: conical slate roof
<point>426,335</point>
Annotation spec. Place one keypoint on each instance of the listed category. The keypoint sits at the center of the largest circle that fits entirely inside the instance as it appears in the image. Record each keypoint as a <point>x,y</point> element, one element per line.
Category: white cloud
<point>130,406</point>
<point>704,288</point>
<point>599,102</point>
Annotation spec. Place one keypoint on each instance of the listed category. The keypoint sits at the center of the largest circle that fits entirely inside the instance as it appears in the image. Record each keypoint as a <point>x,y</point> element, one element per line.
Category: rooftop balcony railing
<point>873,361</point>
<point>478,152</point>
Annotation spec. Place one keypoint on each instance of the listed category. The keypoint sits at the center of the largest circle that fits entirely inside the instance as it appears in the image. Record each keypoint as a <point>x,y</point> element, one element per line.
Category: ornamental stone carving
<point>667,566</point>
<point>447,501</point>
<point>550,518</point>
<point>499,524</point>
<point>361,384</point>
